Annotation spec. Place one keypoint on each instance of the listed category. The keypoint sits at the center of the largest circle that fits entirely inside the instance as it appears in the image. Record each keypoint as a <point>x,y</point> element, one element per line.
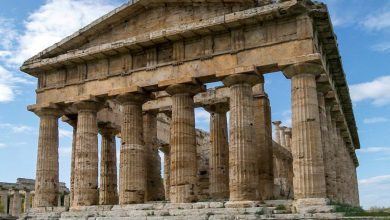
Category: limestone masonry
<point>139,72</point>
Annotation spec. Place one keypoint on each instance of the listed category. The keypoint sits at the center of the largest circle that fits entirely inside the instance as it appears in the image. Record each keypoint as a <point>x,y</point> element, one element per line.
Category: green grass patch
<point>349,210</point>
<point>280,207</point>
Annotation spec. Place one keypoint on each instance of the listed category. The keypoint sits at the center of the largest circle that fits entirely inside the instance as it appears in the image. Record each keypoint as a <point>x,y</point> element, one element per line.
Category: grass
<point>258,213</point>
<point>280,207</point>
<point>349,210</point>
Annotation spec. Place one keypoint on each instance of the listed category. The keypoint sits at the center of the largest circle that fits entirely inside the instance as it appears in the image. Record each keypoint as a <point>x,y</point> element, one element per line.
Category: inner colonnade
<point>116,75</point>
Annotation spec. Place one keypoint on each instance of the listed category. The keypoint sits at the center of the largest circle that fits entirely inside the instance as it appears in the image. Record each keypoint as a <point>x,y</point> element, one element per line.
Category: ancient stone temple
<point>15,198</point>
<point>139,72</point>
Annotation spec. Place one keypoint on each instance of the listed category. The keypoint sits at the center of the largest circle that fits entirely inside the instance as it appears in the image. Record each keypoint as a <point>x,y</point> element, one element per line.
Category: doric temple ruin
<point>15,198</point>
<point>139,72</point>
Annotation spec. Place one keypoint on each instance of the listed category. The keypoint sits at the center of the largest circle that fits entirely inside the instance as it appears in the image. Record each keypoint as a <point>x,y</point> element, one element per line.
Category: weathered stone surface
<point>132,178</point>
<point>108,192</point>
<point>243,165</point>
<point>219,152</point>
<point>308,164</point>
<point>47,184</point>
<point>86,158</point>
<point>183,164</point>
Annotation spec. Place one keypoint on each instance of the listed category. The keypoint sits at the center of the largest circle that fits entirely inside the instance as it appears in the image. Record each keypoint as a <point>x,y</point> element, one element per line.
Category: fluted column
<point>277,131</point>
<point>243,155</point>
<point>219,152</point>
<point>308,164</point>
<point>154,187</point>
<point>326,145</point>
<point>132,177</point>
<point>167,172</point>
<point>4,200</point>
<point>283,136</point>
<point>331,171</point>
<point>16,204</point>
<point>263,140</point>
<point>108,193</point>
<point>72,162</point>
<point>27,201</point>
<point>86,157</point>
<point>46,181</point>
<point>183,162</point>
<point>287,136</point>
<point>338,163</point>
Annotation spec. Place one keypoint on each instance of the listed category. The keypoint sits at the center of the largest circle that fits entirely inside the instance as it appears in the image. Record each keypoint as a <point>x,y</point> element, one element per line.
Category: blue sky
<point>362,27</point>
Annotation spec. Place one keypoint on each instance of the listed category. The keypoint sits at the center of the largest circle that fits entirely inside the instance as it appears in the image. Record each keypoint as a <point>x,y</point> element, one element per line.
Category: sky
<point>362,28</point>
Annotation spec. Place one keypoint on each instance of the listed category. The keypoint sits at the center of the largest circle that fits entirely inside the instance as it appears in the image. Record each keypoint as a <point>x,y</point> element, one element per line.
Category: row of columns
<point>13,205</point>
<point>248,151</point>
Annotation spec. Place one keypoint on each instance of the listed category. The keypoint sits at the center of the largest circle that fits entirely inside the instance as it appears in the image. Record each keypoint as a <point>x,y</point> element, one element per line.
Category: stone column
<point>277,131</point>
<point>243,155</point>
<point>287,136</point>
<point>86,158</point>
<point>337,159</point>
<point>72,121</point>
<point>4,200</point>
<point>219,152</point>
<point>326,145</point>
<point>46,181</point>
<point>308,164</point>
<point>132,172</point>
<point>167,182</point>
<point>183,157</point>
<point>154,186</point>
<point>16,204</point>
<point>283,136</point>
<point>59,204</point>
<point>108,193</point>
<point>27,201</point>
<point>263,140</point>
<point>66,201</point>
<point>331,173</point>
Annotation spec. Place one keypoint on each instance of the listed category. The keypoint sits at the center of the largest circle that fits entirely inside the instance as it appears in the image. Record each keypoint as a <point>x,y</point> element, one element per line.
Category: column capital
<point>70,119</point>
<point>243,78</point>
<point>288,131</point>
<point>191,89</point>
<point>134,97</point>
<point>221,107</point>
<point>107,128</point>
<point>46,110</point>
<point>91,105</point>
<point>277,124</point>
<point>303,68</point>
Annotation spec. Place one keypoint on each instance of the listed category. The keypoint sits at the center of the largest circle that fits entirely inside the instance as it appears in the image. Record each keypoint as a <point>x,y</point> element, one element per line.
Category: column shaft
<point>183,163</point>
<point>72,163</point>
<point>308,165</point>
<point>331,172</point>
<point>16,204</point>
<point>46,181</point>
<point>243,156</point>
<point>86,158</point>
<point>4,201</point>
<point>155,188</point>
<point>263,140</point>
<point>108,194</point>
<point>167,172</point>
<point>219,156</point>
<point>27,201</point>
<point>132,179</point>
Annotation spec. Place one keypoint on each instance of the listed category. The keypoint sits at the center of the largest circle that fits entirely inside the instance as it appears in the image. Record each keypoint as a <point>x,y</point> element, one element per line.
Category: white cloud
<point>377,21</point>
<point>16,128</point>
<point>381,47</point>
<point>53,21</point>
<point>65,133</point>
<point>375,150</point>
<point>375,120</point>
<point>47,25</point>
<point>376,91</point>
<point>202,115</point>
<point>7,33</point>
<point>2,145</point>
<point>65,151</point>
<point>376,180</point>
<point>375,191</point>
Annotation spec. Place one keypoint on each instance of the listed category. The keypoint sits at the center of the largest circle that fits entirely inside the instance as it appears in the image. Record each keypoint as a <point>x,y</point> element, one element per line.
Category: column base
<point>312,205</point>
<point>242,204</point>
